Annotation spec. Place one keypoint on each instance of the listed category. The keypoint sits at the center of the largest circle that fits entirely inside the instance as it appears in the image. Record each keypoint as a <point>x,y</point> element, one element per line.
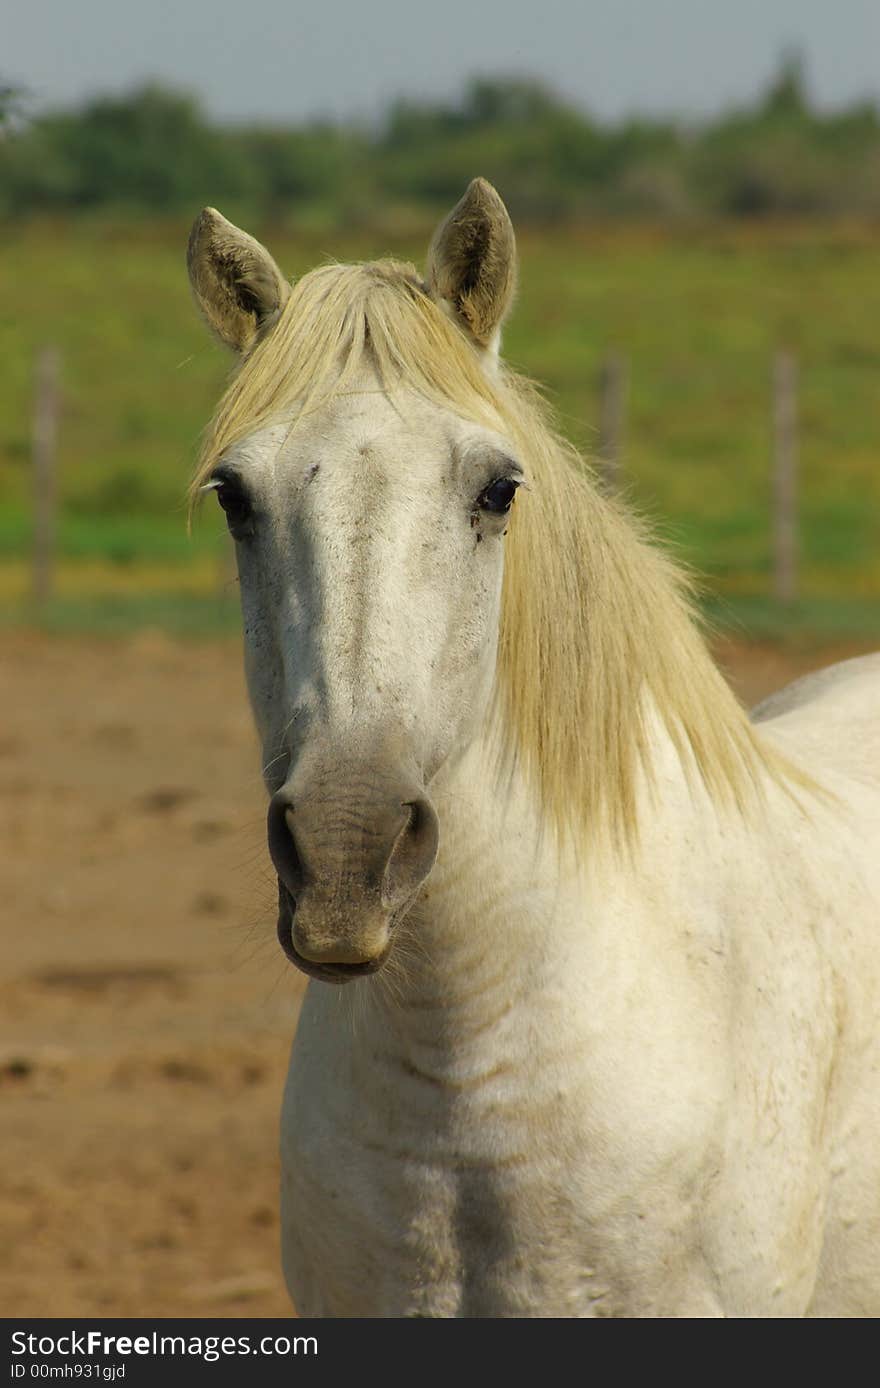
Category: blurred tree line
<point>154,150</point>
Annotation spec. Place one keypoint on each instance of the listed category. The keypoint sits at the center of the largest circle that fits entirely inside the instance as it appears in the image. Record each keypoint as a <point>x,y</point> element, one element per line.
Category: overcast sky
<point>284,60</point>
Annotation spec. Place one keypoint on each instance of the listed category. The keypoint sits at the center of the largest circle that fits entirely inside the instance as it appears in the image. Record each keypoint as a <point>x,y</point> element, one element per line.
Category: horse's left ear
<point>472,264</point>
<point>236,283</point>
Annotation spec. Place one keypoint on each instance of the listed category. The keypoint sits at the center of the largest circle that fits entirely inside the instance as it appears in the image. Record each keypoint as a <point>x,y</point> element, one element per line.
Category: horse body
<point>614,1095</point>
<point>608,1044</point>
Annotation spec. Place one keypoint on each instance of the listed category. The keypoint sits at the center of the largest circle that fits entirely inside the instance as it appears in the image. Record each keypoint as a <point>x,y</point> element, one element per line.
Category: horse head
<point>367,483</point>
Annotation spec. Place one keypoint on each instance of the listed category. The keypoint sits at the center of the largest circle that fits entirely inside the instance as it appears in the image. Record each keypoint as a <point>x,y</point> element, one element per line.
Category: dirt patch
<point>145,1009</point>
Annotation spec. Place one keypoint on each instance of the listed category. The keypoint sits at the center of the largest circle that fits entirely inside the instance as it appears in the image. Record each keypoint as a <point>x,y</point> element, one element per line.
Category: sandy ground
<point>146,1010</point>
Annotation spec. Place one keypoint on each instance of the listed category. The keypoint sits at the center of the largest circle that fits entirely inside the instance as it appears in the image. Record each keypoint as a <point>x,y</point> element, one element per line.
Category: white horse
<point>610,1044</point>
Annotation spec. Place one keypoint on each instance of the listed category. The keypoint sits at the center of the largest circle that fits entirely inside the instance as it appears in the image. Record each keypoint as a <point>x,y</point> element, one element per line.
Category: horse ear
<point>236,283</point>
<point>472,263</point>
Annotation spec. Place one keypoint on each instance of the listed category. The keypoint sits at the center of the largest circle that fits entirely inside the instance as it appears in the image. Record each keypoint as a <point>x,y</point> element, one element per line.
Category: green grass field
<point>697,315</point>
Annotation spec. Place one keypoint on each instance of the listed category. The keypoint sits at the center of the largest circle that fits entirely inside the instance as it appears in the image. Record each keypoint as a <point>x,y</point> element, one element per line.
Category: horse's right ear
<point>472,264</point>
<point>236,283</point>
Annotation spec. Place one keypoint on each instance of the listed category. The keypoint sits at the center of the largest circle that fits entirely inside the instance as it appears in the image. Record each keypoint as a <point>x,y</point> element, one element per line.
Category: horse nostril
<point>413,853</point>
<point>421,831</point>
<point>282,843</point>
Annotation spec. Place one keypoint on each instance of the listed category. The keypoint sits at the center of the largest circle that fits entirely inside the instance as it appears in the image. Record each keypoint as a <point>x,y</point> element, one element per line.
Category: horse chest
<point>405,1195</point>
<point>386,1216</point>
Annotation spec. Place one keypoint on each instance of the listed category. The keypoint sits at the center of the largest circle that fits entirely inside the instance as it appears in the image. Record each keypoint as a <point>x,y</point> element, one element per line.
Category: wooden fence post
<point>45,484</point>
<point>785,477</point>
<point>612,401</point>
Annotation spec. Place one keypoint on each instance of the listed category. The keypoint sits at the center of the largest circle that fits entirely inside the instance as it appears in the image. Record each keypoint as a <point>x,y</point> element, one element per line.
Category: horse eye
<point>235,505</point>
<point>498,496</point>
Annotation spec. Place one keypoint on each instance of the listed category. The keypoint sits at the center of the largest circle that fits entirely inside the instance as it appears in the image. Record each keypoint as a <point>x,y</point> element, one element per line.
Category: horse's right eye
<point>235,505</point>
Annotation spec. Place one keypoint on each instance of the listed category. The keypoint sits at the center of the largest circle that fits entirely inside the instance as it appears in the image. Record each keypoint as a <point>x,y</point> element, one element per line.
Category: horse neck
<point>506,921</point>
<point>499,911</point>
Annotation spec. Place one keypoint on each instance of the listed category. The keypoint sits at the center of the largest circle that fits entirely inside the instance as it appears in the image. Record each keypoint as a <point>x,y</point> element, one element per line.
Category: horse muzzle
<point>350,864</point>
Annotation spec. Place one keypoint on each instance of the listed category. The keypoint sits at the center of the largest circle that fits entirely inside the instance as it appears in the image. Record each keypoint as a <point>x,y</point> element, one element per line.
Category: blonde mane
<point>597,626</point>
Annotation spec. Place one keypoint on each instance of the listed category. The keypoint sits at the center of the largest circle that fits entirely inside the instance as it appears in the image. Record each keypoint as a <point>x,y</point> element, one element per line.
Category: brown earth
<point>145,1008</point>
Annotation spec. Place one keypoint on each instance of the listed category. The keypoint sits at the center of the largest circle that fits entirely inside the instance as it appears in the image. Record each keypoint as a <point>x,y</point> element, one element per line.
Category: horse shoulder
<point>829,723</point>
<point>835,711</point>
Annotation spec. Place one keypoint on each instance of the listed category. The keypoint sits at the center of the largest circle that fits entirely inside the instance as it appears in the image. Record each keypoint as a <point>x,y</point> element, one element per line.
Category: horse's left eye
<point>498,496</point>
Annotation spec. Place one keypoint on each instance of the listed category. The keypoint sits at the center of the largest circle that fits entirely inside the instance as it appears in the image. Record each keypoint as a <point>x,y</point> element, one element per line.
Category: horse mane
<point>599,632</point>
